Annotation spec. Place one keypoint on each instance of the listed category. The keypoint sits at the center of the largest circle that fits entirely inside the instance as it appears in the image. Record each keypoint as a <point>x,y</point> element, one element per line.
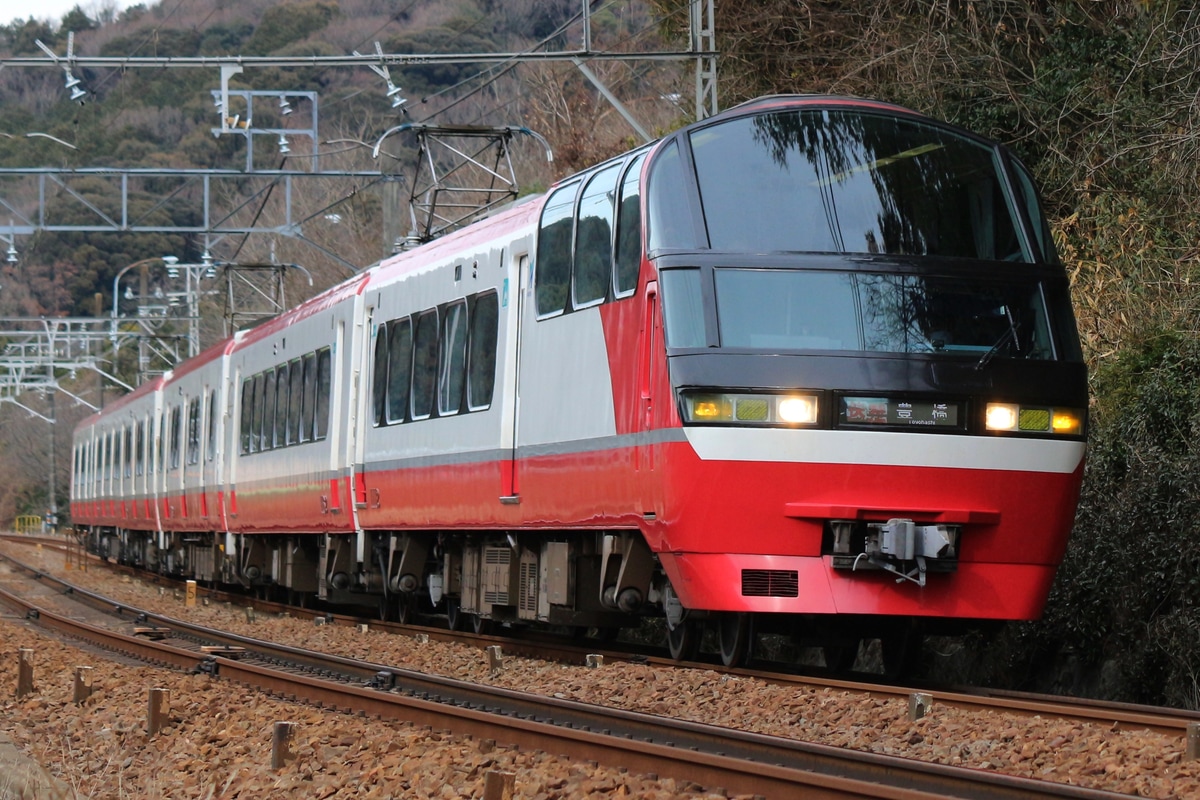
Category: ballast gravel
<point>218,741</point>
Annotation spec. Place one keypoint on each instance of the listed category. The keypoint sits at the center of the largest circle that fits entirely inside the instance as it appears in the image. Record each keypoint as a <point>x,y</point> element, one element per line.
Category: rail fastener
<point>152,633</point>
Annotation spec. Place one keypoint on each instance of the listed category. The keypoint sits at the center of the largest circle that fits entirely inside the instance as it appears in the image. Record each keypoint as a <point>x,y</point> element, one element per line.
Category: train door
<point>648,364</point>
<point>208,472</point>
<point>360,409</point>
<point>510,490</point>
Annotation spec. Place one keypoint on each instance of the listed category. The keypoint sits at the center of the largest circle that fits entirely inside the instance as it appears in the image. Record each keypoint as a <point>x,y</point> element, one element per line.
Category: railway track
<point>738,761</point>
<point>1119,716</point>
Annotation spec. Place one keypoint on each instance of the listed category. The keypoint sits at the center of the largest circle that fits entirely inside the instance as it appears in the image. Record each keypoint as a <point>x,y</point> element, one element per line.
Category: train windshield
<point>789,309</point>
<point>830,181</point>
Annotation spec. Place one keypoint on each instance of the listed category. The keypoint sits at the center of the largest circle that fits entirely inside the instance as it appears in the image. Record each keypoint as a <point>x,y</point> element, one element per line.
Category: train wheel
<point>735,635</point>
<point>455,618</point>
<point>480,625</point>
<point>397,607</point>
<point>683,640</point>
<point>406,608</point>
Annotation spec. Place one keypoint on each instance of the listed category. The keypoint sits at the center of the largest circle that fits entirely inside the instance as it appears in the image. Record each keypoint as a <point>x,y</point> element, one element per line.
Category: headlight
<point>751,409</point>
<point>1034,419</point>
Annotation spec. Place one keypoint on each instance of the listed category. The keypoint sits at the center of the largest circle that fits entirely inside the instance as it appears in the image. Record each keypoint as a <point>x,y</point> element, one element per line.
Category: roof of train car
<point>522,212</point>
<point>311,307</point>
<point>149,387</point>
<point>786,100</point>
<point>210,354</point>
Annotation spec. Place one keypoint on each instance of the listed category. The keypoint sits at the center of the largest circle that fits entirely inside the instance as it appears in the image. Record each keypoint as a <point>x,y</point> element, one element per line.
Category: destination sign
<point>894,412</point>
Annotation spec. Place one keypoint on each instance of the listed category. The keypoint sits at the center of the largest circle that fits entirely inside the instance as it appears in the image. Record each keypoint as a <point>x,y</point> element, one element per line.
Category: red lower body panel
<point>975,591</point>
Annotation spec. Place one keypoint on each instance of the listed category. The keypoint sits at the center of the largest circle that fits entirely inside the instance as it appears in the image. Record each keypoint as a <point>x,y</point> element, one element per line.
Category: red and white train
<point>808,366</point>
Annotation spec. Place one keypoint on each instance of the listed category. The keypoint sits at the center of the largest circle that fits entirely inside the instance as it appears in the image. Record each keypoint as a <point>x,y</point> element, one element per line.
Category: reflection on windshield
<point>848,182</point>
<point>811,310</point>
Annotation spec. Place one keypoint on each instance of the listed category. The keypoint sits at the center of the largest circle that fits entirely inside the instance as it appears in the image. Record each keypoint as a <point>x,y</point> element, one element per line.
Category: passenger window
<point>162,441</point>
<point>379,376</point>
<point>139,449</point>
<point>554,251</point>
<point>399,368</point>
<point>308,407</point>
<point>1040,227</point>
<point>295,399</point>
<point>175,431</point>
<point>452,369</point>
<point>425,363</point>
<point>213,411</point>
<point>160,461</point>
<point>324,387</point>
<point>257,415</point>
<point>279,435</point>
<point>246,411</point>
<point>593,243</point>
<point>671,220</point>
<point>481,370</point>
<point>193,432</point>
<point>268,421</point>
<point>629,230</point>
<point>128,459</point>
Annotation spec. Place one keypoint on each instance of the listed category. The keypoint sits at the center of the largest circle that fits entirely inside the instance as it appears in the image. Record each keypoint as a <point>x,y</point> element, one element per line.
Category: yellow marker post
<point>190,600</point>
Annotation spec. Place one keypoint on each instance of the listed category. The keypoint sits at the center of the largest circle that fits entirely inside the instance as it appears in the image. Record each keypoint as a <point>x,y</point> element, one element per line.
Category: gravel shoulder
<point>219,743</point>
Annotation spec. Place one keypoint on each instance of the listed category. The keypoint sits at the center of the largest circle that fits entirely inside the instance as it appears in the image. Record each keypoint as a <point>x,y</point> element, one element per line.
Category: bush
<point>1128,594</point>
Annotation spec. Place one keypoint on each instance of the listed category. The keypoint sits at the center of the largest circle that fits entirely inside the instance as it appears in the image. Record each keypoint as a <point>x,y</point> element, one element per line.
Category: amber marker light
<point>710,408</point>
<point>1067,421</point>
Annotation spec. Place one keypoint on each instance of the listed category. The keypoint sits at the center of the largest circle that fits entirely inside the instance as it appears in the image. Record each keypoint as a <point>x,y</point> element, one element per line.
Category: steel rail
<point>711,756</point>
<point>1117,716</point>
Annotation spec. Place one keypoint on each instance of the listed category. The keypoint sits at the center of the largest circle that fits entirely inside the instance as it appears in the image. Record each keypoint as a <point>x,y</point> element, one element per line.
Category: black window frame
<point>283,388</point>
<point>483,350</point>
<point>192,452</point>
<point>266,435</point>
<point>553,257</point>
<point>295,399</point>
<point>452,364</point>
<point>324,393</point>
<point>379,375</point>
<point>245,411</point>
<point>175,428</point>
<point>308,405</point>
<point>210,449</point>
<point>631,177</point>
<point>580,249</point>
<point>426,340</point>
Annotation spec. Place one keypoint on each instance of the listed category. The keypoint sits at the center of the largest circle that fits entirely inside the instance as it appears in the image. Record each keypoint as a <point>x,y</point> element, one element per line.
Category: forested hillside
<point>164,118</point>
<point>1098,98</point>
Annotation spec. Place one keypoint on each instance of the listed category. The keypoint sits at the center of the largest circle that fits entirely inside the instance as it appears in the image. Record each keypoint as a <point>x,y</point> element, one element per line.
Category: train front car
<point>873,355</point>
